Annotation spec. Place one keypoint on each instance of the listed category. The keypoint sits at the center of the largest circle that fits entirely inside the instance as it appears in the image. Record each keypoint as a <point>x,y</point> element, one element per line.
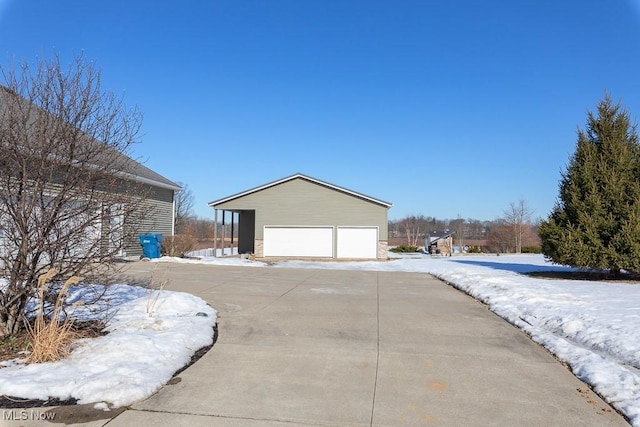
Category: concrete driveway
<point>355,348</point>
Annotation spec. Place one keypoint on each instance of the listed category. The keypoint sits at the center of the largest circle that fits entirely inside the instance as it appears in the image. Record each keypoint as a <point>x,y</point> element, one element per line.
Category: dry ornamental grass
<point>50,339</point>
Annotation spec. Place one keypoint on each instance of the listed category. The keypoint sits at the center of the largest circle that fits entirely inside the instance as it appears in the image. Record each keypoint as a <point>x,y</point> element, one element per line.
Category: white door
<point>314,242</point>
<point>357,242</point>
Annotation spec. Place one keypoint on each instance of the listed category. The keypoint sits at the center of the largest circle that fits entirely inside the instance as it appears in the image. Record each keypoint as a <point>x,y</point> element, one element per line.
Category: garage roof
<point>306,178</point>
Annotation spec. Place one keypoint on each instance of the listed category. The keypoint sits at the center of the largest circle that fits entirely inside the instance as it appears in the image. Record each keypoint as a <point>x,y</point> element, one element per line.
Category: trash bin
<point>151,244</point>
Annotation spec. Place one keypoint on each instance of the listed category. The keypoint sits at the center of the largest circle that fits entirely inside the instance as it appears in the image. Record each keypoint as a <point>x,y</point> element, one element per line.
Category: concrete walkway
<point>309,347</point>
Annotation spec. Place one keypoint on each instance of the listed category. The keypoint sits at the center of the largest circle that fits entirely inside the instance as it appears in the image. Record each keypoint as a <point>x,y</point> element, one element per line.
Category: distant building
<point>440,243</point>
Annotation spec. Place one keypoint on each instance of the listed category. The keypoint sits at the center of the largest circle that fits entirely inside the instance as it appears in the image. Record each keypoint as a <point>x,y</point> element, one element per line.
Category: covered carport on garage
<point>303,217</point>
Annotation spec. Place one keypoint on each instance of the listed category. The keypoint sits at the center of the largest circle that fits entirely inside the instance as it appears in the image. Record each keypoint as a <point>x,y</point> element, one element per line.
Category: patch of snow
<point>151,335</point>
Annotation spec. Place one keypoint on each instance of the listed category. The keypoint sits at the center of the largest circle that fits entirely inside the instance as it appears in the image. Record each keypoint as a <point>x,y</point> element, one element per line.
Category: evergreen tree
<point>596,221</point>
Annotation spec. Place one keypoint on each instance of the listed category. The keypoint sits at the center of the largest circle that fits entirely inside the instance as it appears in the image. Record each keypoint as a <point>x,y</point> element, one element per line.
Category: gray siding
<point>159,220</point>
<point>301,202</point>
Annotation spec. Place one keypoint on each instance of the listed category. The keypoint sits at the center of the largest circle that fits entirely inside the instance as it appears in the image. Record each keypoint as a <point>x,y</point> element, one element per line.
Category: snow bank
<point>152,334</point>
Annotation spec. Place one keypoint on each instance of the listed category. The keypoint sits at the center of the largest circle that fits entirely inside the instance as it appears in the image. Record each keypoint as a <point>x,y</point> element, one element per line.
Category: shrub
<point>405,249</point>
<point>178,245</point>
<point>531,249</point>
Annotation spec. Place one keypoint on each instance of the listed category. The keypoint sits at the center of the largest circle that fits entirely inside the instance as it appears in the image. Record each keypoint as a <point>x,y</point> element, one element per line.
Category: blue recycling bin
<point>151,244</point>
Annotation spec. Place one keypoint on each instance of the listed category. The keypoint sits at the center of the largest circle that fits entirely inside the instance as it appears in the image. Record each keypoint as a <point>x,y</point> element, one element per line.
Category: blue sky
<point>444,109</point>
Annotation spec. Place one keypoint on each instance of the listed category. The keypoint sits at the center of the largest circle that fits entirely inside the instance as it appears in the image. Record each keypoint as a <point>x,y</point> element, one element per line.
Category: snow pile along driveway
<point>592,326</point>
<point>152,334</point>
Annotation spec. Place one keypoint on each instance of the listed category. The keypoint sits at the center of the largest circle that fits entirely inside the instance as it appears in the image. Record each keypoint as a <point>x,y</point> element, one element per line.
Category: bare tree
<point>393,228</point>
<point>500,237</point>
<point>530,235</point>
<point>183,240</point>
<point>68,197</point>
<point>518,216</point>
<point>203,228</point>
<point>183,209</point>
<point>458,226</point>
<point>476,229</point>
<point>415,228</point>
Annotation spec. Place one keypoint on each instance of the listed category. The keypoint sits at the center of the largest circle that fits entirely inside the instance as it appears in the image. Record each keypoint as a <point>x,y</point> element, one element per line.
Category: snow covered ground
<point>151,335</point>
<point>592,326</point>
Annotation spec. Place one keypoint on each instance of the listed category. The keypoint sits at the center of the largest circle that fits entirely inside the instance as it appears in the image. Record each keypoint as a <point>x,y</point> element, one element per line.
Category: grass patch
<point>406,249</point>
<point>48,337</point>
<point>51,337</point>
<point>17,346</point>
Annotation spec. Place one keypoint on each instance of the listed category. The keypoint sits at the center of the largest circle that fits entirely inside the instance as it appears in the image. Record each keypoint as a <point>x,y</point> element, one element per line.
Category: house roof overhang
<point>131,169</point>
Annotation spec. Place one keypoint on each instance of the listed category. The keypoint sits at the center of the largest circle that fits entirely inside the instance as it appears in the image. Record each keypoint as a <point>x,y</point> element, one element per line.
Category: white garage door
<point>357,242</point>
<point>298,242</point>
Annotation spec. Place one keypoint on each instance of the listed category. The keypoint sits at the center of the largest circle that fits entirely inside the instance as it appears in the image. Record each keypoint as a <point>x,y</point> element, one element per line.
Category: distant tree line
<point>514,232</point>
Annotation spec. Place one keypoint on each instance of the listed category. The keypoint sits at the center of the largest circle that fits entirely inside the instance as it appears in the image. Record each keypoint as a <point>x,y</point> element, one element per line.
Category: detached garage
<point>302,217</point>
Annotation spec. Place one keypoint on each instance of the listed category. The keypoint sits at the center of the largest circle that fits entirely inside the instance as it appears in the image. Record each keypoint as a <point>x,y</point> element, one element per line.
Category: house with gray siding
<point>161,201</point>
<point>159,192</point>
<point>303,217</point>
